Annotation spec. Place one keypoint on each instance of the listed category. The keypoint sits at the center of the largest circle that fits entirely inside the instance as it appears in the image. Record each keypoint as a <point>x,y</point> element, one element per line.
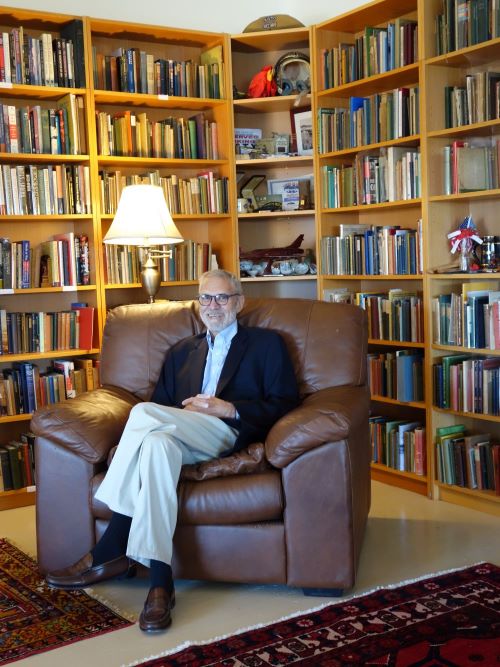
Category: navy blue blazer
<point>257,378</point>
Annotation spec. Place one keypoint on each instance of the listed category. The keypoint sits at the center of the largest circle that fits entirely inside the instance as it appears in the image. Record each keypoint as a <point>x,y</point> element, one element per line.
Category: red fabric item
<point>263,84</point>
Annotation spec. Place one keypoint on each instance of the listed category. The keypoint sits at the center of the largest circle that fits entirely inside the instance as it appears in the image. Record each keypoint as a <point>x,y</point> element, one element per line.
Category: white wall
<point>216,15</point>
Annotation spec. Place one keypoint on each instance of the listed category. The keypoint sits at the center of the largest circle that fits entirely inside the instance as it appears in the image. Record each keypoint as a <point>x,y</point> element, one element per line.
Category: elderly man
<point>217,393</point>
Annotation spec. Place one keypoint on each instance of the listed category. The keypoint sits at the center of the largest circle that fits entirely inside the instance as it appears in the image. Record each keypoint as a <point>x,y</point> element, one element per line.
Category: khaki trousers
<point>141,481</point>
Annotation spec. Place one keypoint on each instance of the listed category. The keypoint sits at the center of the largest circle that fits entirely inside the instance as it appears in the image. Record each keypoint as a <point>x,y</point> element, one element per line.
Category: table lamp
<point>143,219</point>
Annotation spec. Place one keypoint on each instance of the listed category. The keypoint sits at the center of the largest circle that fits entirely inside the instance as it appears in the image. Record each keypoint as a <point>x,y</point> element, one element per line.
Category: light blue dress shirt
<point>217,353</point>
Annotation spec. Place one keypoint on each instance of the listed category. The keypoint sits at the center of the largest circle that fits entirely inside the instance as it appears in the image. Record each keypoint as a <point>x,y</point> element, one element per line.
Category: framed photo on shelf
<point>302,130</point>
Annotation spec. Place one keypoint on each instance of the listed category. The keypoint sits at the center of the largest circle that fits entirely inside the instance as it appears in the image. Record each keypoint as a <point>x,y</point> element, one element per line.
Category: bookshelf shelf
<point>42,158</point>
<point>9,419</point>
<point>157,162</point>
<point>405,480</point>
<point>482,501</point>
<point>485,128</point>
<point>402,76</point>
<point>284,279</point>
<point>56,290</point>
<point>392,401</point>
<point>411,140</point>
<point>275,214</point>
<point>177,283</point>
<point>287,161</point>
<point>118,98</point>
<point>470,56</point>
<point>271,104</point>
<point>475,415</point>
<point>402,203</point>
<point>470,350</point>
<point>464,276</point>
<point>19,498</point>
<point>43,218</point>
<point>286,39</point>
<point>52,354</point>
<point>30,92</point>
<point>364,276</point>
<point>465,196</point>
<point>394,343</point>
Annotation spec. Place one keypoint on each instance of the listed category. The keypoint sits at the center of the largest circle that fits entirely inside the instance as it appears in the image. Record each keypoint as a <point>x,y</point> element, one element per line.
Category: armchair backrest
<point>327,341</point>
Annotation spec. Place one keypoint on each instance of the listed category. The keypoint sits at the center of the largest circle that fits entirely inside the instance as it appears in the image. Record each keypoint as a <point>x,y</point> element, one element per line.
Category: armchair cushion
<point>87,425</point>
<point>325,416</point>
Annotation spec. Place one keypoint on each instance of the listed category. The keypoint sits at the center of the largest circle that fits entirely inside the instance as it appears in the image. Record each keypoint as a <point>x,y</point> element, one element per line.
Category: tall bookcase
<point>250,52</point>
<point>478,52</point>
<point>173,48</point>
<point>357,86</point>
<point>35,227</point>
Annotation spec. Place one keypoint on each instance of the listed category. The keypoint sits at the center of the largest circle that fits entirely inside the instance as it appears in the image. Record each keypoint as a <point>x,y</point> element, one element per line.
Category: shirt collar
<point>224,337</point>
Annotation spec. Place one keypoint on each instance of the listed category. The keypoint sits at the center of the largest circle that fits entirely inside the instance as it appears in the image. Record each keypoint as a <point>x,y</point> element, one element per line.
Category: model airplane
<point>275,253</point>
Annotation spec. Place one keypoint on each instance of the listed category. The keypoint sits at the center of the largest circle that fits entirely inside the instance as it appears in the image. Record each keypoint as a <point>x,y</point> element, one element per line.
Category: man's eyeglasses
<point>220,299</point>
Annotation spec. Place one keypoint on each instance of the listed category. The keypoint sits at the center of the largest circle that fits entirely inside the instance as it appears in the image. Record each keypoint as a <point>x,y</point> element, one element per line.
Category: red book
<point>85,324</point>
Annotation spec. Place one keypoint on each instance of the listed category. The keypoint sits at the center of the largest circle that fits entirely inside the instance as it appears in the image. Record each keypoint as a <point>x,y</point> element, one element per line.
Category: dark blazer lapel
<point>236,351</point>
<point>197,360</point>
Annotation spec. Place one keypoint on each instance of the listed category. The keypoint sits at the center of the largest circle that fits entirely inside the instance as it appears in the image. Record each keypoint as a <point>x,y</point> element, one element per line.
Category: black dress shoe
<point>156,614</point>
<point>82,573</point>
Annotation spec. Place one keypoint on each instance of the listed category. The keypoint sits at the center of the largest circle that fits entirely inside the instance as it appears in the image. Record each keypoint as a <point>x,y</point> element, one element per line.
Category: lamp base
<point>150,278</point>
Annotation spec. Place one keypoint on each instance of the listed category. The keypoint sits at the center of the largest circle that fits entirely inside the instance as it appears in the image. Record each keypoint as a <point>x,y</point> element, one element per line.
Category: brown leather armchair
<point>290,511</point>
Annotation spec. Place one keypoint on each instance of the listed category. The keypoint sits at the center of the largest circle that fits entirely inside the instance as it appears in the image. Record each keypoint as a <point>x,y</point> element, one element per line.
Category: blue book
<point>355,103</point>
<point>25,270</point>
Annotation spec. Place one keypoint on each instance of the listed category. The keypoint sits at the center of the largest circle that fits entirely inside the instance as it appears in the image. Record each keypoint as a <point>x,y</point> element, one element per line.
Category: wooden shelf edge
<point>403,480</point>
<point>471,499</point>
<point>20,498</point>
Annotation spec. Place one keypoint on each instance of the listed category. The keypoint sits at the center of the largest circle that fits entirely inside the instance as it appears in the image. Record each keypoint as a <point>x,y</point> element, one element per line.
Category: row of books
<point>468,460</point>
<point>24,388</point>
<point>375,50</point>
<point>45,189</point>
<point>135,71</point>
<point>463,23</point>
<point>205,193</point>
<point>35,332</point>
<point>35,129</point>
<point>475,102</point>
<point>189,259</point>
<point>367,120</point>
<point>44,59</point>
<point>398,444</point>
<point>17,463</point>
<point>373,250</point>
<point>396,375</point>
<point>129,134</point>
<point>392,175</point>
<point>396,315</point>
<point>469,167</point>
<point>467,384</point>
<point>469,319</point>
<point>62,261</point>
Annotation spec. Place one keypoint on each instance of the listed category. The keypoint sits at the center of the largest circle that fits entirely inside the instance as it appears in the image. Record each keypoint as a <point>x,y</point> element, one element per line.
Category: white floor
<point>408,536</point>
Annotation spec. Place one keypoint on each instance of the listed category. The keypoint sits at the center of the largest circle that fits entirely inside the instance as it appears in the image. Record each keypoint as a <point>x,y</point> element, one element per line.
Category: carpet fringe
<point>188,643</point>
<point>129,616</point>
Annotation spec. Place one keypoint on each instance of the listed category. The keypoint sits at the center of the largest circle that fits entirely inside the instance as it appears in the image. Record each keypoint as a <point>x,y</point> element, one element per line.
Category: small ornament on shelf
<point>465,239</point>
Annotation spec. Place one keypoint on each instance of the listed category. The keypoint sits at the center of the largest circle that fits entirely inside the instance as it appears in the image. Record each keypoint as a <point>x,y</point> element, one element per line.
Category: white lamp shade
<point>142,218</point>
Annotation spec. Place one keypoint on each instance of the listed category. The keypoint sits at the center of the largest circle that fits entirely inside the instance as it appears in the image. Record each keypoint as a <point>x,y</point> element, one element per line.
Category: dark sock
<point>160,574</point>
<point>113,543</point>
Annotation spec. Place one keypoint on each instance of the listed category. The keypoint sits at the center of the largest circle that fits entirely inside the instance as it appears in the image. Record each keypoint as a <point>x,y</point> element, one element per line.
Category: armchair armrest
<point>88,425</point>
<point>327,415</point>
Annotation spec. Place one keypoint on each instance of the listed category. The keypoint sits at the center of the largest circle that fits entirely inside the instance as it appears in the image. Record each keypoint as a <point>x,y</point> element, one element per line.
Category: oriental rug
<point>448,620</point>
<point>35,618</point>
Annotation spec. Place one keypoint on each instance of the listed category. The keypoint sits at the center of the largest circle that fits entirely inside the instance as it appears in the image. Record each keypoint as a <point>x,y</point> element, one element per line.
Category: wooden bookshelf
<point>328,37</point>
<point>260,229</point>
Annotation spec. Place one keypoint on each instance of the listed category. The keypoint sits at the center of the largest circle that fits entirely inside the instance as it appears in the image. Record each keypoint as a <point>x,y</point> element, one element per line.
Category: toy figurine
<point>465,238</point>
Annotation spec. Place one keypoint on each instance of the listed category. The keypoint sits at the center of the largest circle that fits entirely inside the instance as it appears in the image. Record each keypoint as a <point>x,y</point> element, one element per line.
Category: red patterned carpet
<point>450,620</point>
<point>35,618</point>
